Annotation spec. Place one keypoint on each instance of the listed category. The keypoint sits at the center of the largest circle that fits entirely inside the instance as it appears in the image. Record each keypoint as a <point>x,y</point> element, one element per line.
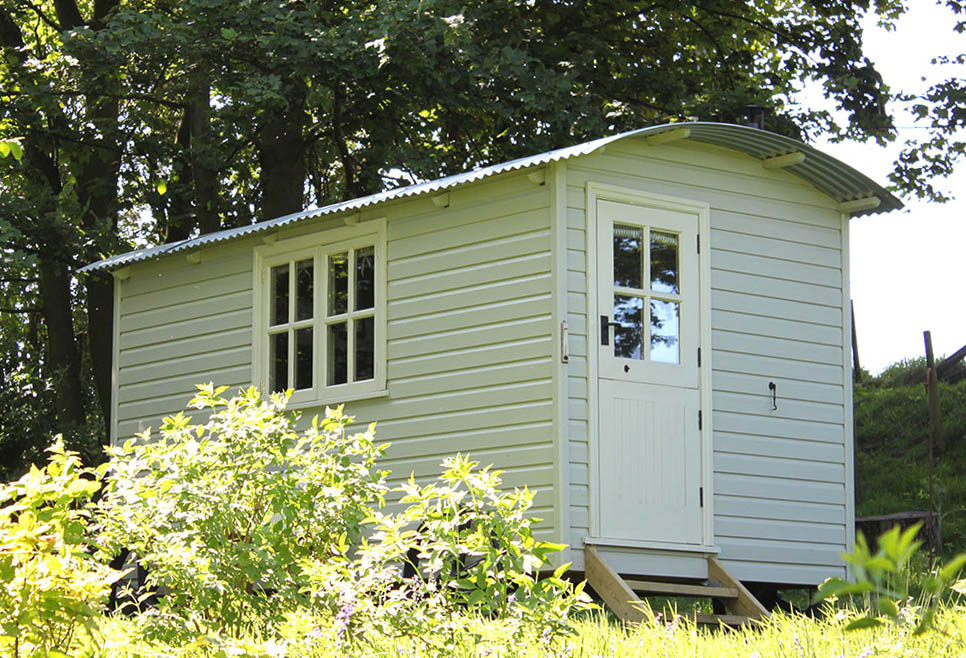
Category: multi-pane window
<point>646,273</point>
<point>322,328</point>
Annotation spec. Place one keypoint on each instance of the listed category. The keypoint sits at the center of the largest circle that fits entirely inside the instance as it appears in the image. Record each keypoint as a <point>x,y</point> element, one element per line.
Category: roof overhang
<point>856,193</point>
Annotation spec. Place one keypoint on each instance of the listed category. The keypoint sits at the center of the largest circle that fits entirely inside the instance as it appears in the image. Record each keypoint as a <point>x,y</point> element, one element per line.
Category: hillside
<point>892,466</point>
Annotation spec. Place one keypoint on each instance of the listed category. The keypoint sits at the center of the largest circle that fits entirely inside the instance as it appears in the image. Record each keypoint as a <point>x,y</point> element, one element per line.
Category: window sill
<point>335,400</point>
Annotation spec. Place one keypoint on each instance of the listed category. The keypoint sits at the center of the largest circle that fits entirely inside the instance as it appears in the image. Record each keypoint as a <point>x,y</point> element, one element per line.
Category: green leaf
<point>888,608</point>
<point>863,622</point>
<point>162,187</point>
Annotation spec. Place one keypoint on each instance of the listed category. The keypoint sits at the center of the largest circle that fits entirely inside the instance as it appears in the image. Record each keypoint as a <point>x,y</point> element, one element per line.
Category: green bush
<point>51,589</point>
<point>473,556</point>
<point>224,514</point>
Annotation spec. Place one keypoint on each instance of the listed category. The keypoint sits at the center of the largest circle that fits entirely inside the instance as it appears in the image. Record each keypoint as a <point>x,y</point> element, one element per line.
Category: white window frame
<point>318,246</point>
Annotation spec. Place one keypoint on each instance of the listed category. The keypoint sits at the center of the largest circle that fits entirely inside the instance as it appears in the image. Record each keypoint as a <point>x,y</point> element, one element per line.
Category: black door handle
<point>605,325</point>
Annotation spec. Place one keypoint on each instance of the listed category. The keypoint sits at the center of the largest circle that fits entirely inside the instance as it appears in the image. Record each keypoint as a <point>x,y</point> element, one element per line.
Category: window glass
<point>338,283</point>
<point>665,331</point>
<point>337,356</point>
<point>628,335</point>
<point>278,361</point>
<point>365,348</point>
<point>304,284</point>
<point>628,262</point>
<point>365,278</point>
<point>279,302</point>
<point>664,262</point>
<point>303,358</point>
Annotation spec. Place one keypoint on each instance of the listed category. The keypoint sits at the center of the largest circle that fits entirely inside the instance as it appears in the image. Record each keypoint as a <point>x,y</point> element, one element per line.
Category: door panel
<point>649,445</point>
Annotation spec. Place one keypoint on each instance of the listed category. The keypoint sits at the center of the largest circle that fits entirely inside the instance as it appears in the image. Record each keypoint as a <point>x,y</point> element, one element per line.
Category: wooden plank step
<point>720,620</point>
<point>609,586</point>
<point>678,589</point>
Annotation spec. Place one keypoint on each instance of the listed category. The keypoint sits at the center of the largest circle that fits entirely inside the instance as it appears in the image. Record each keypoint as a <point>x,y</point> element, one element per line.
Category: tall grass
<point>599,636</point>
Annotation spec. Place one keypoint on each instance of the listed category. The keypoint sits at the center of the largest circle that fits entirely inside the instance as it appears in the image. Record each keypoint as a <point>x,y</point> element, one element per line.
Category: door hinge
<point>700,496</point>
<point>700,420</point>
<point>699,357</point>
<point>699,244</point>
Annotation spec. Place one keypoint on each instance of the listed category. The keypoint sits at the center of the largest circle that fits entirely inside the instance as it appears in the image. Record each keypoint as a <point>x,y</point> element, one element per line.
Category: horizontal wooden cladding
<point>777,228</point>
<point>479,418</point>
<point>476,296</point>
<point>466,357</point>
<point>778,467</point>
<point>778,488</point>
<point>537,477</point>
<point>774,572</point>
<point>779,288</point>
<point>186,310</point>
<point>763,405</point>
<point>481,231</point>
<point>728,421</point>
<point>771,446</point>
<point>791,389</point>
<point>765,265</point>
<point>225,261</point>
<point>494,438</point>
<point>471,276</point>
<point>167,384</point>
<point>215,287</point>
<point>196,365</point>
<point>784,552</point>
<point>187,347</point>
<point>393,408</point>
<point>780,348</point>
<point>760,325</point>
<point>175,332</point>
<point>739,527</point>
<point>733,200</point>
<point>530,457</point>
<point>764,366</point>
<point>771,307</point>
<point>790,251</point>
<point>697,176</point>
<point>502,195</point>
<point>471,316</point>
<point>472,254</point>
<point>779,510</point>
<point>469,337</point>
<point>473,378</point>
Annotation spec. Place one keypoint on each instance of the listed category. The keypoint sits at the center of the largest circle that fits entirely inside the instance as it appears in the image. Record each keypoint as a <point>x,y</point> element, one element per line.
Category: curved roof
<point>833,177</point>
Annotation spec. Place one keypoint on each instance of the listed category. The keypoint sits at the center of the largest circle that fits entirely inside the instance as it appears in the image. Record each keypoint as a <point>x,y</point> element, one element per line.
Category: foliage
<point>879,576</point>
<point>51,588</point>
<point>224,513</point>
<point>470,552</point>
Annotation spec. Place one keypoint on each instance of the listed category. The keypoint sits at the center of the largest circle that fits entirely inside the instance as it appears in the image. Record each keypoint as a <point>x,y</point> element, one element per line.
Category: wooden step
<point>620,595</point>
<point>678,589</point>
<point>721,620</point>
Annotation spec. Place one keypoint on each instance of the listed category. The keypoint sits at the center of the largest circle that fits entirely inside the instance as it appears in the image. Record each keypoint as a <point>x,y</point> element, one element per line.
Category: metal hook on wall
<point>773,387</point>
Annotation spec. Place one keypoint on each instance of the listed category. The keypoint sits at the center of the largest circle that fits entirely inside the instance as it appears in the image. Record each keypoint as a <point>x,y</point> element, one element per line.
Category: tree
<point>153,121</point>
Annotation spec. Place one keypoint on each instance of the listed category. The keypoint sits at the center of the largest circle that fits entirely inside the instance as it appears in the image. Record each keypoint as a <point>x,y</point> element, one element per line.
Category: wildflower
<point>866,652</point>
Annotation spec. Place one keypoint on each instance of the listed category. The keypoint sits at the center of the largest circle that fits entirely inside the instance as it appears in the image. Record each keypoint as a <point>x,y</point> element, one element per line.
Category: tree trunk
<point>204,174</point>
<point>281,154</point>
<point>63,363</point>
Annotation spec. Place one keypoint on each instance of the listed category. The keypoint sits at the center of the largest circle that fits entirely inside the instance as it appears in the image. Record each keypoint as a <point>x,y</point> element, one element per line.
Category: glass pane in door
<point>628,261</point>
<point>664,262</point>
<point>665,331</point>
<point>629,332</point>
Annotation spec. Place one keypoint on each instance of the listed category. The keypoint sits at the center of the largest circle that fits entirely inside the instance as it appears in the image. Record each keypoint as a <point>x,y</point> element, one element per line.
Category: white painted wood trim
<point>316,245</point>
<point>593,192</point>
<point>653,545</point>
<point>558,232</point>
<point>596,191</point>
<point>115,359</point>
<point>847,387</point>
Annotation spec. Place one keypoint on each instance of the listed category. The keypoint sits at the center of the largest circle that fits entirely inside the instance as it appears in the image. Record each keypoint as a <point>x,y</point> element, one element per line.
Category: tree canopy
<point>145,121</point>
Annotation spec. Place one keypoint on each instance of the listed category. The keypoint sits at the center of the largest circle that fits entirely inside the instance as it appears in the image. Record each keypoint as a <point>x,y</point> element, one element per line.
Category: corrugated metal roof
<point>831,176</point>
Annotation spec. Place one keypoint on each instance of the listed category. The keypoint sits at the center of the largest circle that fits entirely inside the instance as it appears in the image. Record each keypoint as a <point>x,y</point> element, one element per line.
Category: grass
<point>597,636</point>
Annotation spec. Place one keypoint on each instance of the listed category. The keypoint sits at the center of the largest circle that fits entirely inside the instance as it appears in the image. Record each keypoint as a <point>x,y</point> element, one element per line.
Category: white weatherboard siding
<point>777,275</point>
<point>470,333</point>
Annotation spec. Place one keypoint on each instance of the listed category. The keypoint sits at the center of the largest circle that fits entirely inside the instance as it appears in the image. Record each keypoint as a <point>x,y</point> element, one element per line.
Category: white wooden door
<point>649,442</point>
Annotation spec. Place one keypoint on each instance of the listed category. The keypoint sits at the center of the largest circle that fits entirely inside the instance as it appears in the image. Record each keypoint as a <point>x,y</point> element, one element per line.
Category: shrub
<point>51,589</point>
<point>224,514</point>
<point>471,555</point>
